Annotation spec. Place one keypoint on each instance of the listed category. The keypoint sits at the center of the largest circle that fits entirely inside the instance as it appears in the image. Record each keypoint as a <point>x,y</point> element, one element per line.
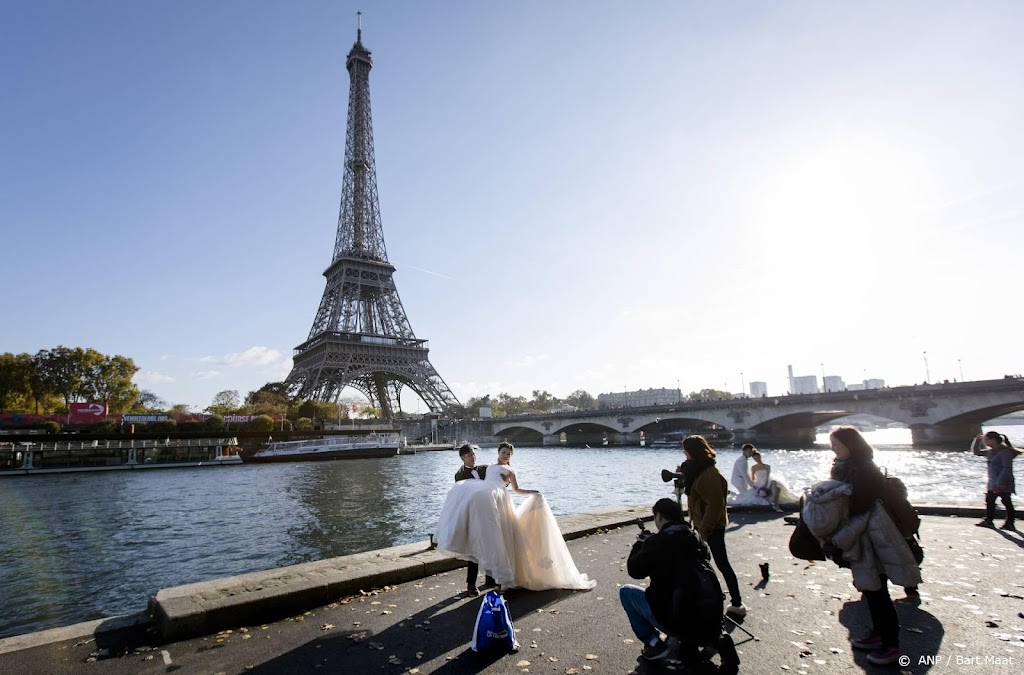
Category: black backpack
<point>698,601</point>
<point>897,504</point>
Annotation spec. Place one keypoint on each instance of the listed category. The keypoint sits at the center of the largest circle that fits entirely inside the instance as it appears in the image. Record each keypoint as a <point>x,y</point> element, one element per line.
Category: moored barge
<point>29,458</point>
<point>362,446</point>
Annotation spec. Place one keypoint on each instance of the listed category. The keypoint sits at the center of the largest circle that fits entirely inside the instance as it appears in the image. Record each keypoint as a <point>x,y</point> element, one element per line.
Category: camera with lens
<point>674,476</point>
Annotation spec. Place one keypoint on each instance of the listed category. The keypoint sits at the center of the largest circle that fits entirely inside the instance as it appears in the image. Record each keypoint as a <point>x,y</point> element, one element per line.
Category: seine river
<point>75,547</point>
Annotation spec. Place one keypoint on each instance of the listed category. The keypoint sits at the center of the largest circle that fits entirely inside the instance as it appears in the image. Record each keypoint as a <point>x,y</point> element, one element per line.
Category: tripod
<point>727,620</point>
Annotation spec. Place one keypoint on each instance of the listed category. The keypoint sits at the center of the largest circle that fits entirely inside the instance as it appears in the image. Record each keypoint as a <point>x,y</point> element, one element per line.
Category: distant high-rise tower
<point>361,337</point>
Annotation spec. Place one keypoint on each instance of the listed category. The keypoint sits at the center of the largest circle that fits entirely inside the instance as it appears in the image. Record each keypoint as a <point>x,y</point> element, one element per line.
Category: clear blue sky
<point>577,195</point>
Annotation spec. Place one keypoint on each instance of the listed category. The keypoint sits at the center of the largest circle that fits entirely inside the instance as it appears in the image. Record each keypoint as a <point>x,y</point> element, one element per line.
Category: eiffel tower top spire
<point>360,233</point>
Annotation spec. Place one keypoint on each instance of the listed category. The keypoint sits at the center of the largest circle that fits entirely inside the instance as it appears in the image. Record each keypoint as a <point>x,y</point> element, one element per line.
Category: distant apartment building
<point>804,384</point>
<point>758,389</point>
<point>563,408</point>
<point>637,399</point>
<point>833,383</point>
<point>866,384</point>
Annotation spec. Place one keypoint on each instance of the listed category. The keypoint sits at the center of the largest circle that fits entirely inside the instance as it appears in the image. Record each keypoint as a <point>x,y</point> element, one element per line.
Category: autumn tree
<point>710,395</point>
<point>512,405</point>
<point>581,400</point>
<point>542,401</point>
<point>109,379</point>
<point>15,376</point>
<point>272,399</point>
<point>224,402</point>
<point>64,370</point>
<point>147,401</point>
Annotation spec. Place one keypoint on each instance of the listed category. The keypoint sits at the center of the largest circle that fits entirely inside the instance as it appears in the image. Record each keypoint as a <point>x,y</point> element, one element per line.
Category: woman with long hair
<point>706,491</point>
<point>854,464</point>
<point>999,453</point>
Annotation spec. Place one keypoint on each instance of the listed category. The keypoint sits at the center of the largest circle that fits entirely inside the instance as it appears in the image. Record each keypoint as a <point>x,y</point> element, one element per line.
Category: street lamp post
<point>961,365</point>
<point>927,373</point>
<point>743,384</point>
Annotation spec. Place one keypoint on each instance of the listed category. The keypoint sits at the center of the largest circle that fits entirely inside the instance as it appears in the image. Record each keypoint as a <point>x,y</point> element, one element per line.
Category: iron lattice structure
<point>361,337</point>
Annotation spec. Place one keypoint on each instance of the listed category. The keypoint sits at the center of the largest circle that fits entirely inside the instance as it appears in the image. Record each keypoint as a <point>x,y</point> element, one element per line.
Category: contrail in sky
<point>436,274</point>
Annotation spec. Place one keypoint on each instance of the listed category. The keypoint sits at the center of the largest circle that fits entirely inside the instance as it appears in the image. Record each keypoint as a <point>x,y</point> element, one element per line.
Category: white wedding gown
<point>761,484</point>
<point>518,547</point>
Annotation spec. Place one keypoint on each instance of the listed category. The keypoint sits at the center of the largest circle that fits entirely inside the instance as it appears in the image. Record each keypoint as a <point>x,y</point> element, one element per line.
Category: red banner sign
<point>87,413</point>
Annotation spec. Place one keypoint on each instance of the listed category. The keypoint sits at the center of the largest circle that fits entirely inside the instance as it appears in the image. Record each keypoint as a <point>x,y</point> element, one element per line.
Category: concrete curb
<point>207,607</point>
<point>210,606</point>
<point>100,630</point>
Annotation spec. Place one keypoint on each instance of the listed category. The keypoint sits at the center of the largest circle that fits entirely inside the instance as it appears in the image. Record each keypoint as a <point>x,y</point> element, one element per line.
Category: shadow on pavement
<point>921,634</point>
<point>428,634</point>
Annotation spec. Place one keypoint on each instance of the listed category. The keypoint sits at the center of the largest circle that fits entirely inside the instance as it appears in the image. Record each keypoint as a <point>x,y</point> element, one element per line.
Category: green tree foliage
<point>512,405</point>
<point>214,423</point>
<point>63,371</point>
<point>315,410</point>
<point>225,402</point>
<point>581,400</point>
<point>473,405</point>
<point>15,379</point>
<point>542,401</point>
<point>271,399</point>
<point>303,424</point>
<point>261,423</point>
<point>39,386</point>
<point>709,395</point>
<point>149,402</point>
<point>109,379</point>
<point>179,409</point>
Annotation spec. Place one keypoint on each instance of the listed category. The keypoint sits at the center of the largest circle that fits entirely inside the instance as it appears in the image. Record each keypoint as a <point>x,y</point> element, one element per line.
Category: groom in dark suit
<point>469,470</point>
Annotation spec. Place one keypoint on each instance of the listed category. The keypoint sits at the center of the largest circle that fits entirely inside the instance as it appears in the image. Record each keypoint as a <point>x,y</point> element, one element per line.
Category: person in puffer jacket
<point>871,543</point>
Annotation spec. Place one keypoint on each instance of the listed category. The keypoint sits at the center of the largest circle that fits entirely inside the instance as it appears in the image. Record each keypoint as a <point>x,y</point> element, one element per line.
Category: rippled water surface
<point>75,547</point>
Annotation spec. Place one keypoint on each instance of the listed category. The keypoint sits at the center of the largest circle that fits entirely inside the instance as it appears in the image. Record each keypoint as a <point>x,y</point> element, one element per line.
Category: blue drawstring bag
<point>493,628</point>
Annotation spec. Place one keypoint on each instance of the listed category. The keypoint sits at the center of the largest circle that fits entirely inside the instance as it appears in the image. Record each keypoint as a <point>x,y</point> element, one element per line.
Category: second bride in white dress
<point>518,547</point>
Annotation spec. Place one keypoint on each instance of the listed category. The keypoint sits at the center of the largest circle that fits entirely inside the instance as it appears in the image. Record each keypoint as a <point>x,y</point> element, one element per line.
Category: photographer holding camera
<point>684,599</point>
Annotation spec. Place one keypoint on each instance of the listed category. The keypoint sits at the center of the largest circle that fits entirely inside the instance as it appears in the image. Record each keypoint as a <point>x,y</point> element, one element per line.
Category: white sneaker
<point>739,610</point>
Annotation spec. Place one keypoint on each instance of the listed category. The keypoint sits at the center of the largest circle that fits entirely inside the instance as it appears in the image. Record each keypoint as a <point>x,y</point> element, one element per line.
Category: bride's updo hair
<point>511,448</point>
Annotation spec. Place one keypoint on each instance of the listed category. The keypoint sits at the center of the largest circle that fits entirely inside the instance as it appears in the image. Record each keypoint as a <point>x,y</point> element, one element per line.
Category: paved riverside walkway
<point>968,618</point>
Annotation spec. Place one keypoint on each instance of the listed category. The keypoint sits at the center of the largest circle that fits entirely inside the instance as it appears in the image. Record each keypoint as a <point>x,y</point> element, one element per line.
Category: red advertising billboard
<point>87,413</point>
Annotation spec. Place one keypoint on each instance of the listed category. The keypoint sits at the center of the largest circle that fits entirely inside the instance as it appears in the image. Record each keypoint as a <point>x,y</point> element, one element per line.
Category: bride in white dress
<point>518,547</point>
<point>773,490</point>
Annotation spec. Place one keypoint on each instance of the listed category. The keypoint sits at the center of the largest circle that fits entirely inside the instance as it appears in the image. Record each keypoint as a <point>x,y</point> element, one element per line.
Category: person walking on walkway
<point>999,453</point>
<point>884,552</point>
<point>706,491</point>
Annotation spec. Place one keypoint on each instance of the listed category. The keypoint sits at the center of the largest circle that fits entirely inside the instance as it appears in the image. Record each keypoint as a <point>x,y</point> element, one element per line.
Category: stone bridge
<point>947,414</point>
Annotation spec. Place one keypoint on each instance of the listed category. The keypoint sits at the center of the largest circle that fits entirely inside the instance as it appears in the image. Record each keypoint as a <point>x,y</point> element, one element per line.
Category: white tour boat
<point>27,458</point>
<point>373,444</point>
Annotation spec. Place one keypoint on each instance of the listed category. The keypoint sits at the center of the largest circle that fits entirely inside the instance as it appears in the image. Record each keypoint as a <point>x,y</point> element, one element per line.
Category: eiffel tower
<point>361,337</point>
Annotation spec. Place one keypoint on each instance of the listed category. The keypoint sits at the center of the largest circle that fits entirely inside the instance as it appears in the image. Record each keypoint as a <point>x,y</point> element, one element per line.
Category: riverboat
<point>373,444</point>
<point>674,439</point>
<point>28,458</point>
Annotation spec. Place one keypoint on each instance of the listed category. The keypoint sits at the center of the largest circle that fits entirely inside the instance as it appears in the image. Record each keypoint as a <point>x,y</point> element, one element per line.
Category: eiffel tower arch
<point>361,337</point>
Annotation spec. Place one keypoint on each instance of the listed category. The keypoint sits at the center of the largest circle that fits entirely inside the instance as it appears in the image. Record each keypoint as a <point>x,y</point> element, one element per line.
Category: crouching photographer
<point>684,599</point>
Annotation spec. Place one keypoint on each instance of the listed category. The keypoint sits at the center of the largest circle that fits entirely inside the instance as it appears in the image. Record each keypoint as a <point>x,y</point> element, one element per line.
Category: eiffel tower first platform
<point>361,337</point>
